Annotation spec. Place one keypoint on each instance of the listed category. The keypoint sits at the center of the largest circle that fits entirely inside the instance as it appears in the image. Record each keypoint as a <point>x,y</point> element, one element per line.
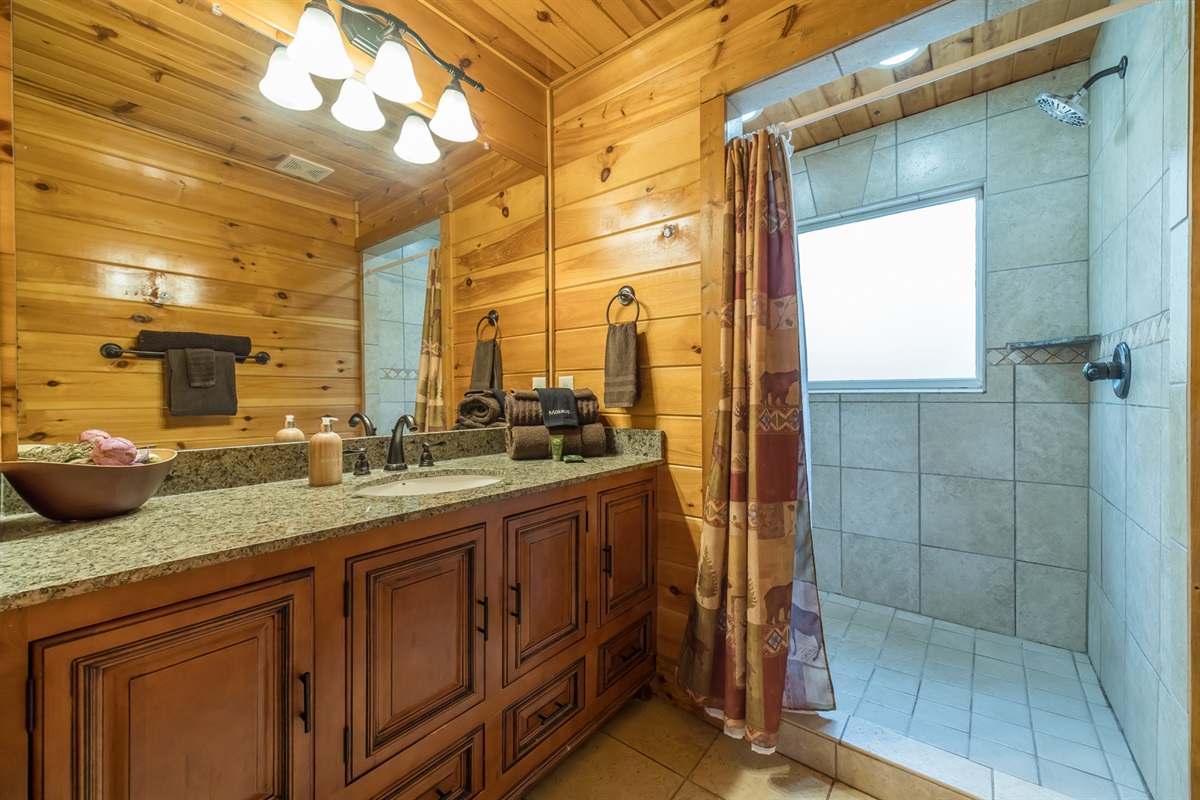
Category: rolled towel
<point>481,409</point>
<point>523,407</point>
<point>533,441</point>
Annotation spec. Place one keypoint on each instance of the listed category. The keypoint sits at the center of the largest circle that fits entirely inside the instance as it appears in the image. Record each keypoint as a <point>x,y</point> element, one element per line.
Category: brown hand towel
<point>201,367</point>
<point>533,441</point>
<point>183,400</point>
<point>486,368</point>
<point>522,407</point>
<point>621,366</point>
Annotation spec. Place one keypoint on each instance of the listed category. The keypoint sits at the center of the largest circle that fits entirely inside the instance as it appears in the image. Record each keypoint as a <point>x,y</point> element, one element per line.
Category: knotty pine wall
<point>498,261</point>
<point>120,230</point>
<point>635,146</point>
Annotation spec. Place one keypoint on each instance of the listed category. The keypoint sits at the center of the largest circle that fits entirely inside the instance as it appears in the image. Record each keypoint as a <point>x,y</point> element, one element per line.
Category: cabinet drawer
<point>623,653</point>
<point>456,773</point>
<point>541,712</point>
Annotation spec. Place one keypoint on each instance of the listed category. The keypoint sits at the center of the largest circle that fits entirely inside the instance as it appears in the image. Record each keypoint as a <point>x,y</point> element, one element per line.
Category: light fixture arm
<point>397,27</point>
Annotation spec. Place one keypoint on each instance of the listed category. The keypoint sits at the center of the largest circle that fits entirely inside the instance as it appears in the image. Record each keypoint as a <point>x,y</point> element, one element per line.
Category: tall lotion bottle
<point>325,455</point>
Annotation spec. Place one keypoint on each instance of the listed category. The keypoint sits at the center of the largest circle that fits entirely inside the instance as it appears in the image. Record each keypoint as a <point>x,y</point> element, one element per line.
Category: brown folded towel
<point>533,441</point>
<point>486,368</point>
<point>201,367</point>
<point>183,400</point>
<point>479,411</point>
<point>621,366</point>
<point>522,407</point>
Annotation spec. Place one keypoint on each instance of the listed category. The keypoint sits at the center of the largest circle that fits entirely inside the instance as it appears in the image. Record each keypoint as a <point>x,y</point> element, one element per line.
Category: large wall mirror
<point>148,198</point>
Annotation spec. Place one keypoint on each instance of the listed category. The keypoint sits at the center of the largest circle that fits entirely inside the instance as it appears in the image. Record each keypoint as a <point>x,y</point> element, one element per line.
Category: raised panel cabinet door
<point>203,699</point>
<point>416,642</point>
<point>625,548</point>
<point>544,571</point>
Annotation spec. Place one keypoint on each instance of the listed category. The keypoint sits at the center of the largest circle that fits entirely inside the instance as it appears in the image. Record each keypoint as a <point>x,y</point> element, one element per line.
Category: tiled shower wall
<point>969,507</point>
<point>1138,250</point>
<point>393,313</point>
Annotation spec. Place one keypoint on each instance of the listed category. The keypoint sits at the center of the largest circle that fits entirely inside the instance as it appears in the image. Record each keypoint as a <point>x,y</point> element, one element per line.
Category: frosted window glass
<point>893,297</point>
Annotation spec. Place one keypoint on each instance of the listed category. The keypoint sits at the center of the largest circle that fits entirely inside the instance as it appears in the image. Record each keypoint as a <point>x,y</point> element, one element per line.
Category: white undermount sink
<point>429,484</point>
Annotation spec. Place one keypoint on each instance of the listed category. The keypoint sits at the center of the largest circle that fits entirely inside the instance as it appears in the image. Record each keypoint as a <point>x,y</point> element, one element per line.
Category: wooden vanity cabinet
<point>202,699</point>
<point>398,662</point>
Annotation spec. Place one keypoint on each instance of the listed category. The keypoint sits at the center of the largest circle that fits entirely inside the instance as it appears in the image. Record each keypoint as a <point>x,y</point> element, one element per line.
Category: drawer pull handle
<point>608,560</point>
<point>516,613</point>
<point>484,629</point>
<point>306,713</point>
<point>628,654</point>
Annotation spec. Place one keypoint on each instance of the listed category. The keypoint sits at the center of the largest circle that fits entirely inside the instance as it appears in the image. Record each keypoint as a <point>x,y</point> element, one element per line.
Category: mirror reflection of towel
<point>217,393</point>
<point>486,369</point>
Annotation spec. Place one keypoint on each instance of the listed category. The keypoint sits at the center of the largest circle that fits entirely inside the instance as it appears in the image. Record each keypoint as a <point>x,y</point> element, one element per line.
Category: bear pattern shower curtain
<point>430,411</point>
<point>753,643</point>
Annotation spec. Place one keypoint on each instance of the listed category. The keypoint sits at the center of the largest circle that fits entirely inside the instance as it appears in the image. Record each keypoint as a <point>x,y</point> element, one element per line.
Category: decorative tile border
<point>1054,354</point>
<point>396,374</point>
<point>1141,334</point>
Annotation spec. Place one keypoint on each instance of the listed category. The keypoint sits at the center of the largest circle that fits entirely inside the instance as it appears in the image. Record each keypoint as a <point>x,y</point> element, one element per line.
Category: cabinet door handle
<point>516,613</point>
<point>608,560</point>
<point>306,714</point>
<point>484,629</point>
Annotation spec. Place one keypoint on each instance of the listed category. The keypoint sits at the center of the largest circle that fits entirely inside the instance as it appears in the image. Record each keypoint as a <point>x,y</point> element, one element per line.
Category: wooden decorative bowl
<point>86,491</point>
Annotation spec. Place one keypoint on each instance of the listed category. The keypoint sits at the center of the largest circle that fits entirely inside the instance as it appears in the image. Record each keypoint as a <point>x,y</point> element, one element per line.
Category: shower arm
<point>1119,69</point>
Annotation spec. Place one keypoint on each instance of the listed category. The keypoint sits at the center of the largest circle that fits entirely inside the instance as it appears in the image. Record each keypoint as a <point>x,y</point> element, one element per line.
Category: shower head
<point>1063,109</point>
<point>1066,109</point>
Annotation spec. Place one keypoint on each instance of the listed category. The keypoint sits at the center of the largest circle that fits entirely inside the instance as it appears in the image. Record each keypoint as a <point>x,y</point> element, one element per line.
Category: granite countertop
<point>42,560</point>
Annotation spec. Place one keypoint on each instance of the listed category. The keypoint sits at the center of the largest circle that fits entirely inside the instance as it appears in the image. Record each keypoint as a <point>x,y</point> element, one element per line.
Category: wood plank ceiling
<point>1030,19</point>
<point>549,38</point>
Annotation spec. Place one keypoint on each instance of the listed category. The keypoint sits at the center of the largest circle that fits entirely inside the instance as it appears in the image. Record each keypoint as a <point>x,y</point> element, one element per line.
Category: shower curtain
<point>430,411</point>
<point>753,643</point>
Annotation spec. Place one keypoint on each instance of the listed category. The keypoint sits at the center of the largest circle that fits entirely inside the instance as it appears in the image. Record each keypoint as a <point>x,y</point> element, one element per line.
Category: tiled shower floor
<point>1024,708</point>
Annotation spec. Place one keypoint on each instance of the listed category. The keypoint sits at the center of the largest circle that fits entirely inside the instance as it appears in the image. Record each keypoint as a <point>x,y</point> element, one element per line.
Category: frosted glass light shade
<point>318,47</point>
<point>287,85</point>
<point>392,76</point>
<point>452,120</point>
<point>356,107</point>
<point>416,144</point>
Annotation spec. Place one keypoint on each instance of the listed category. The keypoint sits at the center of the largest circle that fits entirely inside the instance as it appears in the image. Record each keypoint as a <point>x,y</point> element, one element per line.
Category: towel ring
<point>493,317</point>
<point>624,296</point>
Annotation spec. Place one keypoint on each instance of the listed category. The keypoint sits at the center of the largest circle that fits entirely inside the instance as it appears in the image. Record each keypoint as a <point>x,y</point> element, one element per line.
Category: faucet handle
<point>426,456</point>
<point>362,466</point>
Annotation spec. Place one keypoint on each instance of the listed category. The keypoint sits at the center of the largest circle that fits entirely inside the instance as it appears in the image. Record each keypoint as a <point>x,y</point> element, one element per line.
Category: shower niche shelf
<point>1088,339</point>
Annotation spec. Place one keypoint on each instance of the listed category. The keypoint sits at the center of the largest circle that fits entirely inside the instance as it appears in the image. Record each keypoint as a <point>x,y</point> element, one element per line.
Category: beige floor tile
<point>604,769</point>
<point>843,792</point>
<point>731,770</point>
<point>663,731</point>
<point>690,791</point>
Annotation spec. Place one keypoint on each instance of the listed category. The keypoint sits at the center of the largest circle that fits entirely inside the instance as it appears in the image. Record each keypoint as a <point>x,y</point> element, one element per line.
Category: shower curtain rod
<point>977,60</point>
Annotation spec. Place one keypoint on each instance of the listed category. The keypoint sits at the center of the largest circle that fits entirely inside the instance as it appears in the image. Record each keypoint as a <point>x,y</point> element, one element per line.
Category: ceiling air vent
<point>303,168</point>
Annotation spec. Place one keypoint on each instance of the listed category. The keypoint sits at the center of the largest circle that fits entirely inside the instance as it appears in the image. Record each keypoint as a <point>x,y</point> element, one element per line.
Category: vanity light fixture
<point>318,50</point>
<point>287,84</point>
<point>901,58</point>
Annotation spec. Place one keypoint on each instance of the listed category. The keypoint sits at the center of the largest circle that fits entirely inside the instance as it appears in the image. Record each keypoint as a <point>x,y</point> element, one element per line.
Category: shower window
<point>893,298</point>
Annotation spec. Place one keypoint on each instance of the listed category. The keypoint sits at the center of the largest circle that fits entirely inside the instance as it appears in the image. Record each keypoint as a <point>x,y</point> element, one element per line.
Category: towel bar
<point>110,350</point>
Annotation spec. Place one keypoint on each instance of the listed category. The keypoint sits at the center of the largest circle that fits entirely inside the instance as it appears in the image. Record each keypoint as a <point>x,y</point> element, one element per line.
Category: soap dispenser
<point>289,432</point>
<point>325,455</point>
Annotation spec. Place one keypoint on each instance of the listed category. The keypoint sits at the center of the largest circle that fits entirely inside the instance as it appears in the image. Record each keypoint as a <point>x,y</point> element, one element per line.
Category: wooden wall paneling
<point>712,227</point>
<point>665,293</point>
<point>662,342</point>
<point>469,15</point>
<point>609,259</point>
<point>614,163</point>
<point>521,318</point>
<point>8,248</point>
<point>657,198</point>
